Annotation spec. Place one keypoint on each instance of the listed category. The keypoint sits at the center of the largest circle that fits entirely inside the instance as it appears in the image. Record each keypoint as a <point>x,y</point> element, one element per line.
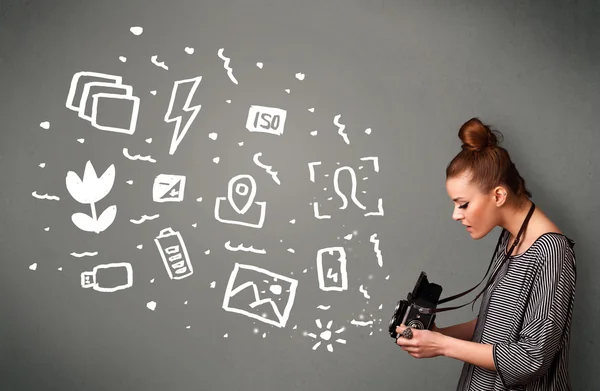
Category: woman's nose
<point>456,215</point>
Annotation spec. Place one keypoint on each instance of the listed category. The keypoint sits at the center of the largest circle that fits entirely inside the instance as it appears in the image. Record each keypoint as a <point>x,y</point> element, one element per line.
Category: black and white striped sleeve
<point>546,312</point>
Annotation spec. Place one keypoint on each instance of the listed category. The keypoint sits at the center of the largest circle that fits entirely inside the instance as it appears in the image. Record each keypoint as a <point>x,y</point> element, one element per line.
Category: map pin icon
<point>243,190</point>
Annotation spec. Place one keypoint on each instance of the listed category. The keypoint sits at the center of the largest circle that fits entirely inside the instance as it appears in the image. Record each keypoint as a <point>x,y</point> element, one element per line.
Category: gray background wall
<point>411,71</point>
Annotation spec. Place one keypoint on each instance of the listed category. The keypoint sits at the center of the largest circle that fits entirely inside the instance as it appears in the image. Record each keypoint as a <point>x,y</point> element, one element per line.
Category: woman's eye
<point>463,206</point>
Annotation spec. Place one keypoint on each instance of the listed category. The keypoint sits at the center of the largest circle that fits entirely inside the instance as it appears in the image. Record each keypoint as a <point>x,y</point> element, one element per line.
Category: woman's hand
<point>423,344</point>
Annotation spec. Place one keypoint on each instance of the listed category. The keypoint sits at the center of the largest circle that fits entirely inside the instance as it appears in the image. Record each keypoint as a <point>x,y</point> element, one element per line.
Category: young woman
<point>520,339</point>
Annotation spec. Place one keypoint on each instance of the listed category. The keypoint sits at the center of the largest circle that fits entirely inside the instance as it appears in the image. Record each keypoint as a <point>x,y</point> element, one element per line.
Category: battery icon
<point>174,254</point>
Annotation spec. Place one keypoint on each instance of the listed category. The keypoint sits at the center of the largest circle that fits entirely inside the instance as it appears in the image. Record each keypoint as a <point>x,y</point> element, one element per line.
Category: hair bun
<point>476,136</point>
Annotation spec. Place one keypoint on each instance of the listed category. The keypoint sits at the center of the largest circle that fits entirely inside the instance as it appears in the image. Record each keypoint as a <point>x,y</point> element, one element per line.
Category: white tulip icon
<point>90,190</point>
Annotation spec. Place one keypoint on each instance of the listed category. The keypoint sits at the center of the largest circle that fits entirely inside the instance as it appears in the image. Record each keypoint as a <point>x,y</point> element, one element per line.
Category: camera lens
<point>416,324</point>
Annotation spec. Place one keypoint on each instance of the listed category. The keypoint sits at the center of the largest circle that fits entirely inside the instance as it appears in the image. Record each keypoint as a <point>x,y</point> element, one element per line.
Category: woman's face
<point>472,208</point>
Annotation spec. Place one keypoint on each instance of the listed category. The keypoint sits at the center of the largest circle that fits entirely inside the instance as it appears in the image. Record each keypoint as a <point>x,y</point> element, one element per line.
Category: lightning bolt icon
<point>186,115</point>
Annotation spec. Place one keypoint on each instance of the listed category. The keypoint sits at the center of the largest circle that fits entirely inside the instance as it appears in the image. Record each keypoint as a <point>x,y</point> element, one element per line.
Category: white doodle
<point>109,88</point>
<point>151,305</point>
<point>137,157</point>
<point>122,58</point>
<point>241,247</point>
<point>336,185</point>
<point>317,214</point>
<point>331,272</point>
<point>189,50</point>
<point>379,209</point>
<point>361,323</point>
<point>90,190</point>
<point>188,110</point>
<point>251,278</point>
<point>90,279</point>
<point>266,168</point>
<point>245,192</point>
<point>323,307</point>
<point>362,290</point>
<point>311,170</point>
<point>373,159</point>
<point>341,127</point>
<point>136,30</point>
<point>45,125</point>
<point>168,188</point>
<point>33,266</point>
<point>226,61</point>
<point>300,76</point>
<point>265,119</point>
<point>373,239</point>
<point>160,64</point>
<point>174,254</point>
<point>45,196</point>
<point>144,218</point>
<point>80,140</point>
<point>326,335</point>
<point>84,254</point>
<point>368,130</point>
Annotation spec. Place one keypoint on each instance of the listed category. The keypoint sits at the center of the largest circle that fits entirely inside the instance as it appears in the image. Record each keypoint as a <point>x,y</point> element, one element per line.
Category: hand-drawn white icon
<point>331,272</point>
<point>89,191</point>
<point>325,335</point>
<point>336,185</point>
<point>226,61</point>
<point>266,168</point>
<point>174,254</point>
<point>341,127</point>
<point>265,288</point>
<point>373,239</point>
<point>108,92</point>
<point>248,194</point>
<point>241,247</point>
<point>168,188</point>
<point>266,120</point>
<point>186,114</point>
<point>94,280</point>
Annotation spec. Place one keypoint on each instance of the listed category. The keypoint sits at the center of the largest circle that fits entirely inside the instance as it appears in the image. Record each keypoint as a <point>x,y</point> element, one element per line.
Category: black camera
<point>424,295</point>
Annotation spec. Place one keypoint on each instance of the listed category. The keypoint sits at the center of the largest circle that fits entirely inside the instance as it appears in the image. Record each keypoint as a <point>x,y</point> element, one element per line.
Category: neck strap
<point>506,256</point>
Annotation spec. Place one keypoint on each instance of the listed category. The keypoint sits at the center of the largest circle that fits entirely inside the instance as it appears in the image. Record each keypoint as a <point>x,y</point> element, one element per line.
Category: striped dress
<point>526,315</point>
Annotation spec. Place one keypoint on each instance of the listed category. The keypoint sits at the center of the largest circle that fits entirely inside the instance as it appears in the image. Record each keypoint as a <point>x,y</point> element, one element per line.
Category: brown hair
<point>489,164</point>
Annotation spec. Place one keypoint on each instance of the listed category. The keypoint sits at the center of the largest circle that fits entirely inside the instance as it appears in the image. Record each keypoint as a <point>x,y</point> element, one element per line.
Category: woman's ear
<point>500,195</point>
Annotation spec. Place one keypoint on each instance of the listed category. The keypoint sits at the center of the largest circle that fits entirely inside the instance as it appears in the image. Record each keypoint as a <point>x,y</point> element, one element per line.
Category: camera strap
<point>507,255</point>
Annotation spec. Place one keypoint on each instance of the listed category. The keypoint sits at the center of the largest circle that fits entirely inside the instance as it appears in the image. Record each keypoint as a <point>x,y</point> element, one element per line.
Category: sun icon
<point>326,335</point>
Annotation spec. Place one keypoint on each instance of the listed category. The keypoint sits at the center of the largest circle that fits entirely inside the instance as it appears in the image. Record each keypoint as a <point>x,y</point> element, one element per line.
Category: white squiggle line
<point>45,196</point>
<point>375,242</point>
<point>360,323</point>
<point>324,307</point>
<point>341,128</point>
<point>144,218</point>
<point>364,292</point>
<point>84,254</point>
<point>226,66</point>
<point>242,248</point>
<point>266,168</point>
<point>157,63</point>
<point>138,157</point>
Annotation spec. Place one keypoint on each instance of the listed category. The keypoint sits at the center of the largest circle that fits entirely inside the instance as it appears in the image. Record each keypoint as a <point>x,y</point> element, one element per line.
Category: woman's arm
<point>462,331</point>
<point>481,355</point>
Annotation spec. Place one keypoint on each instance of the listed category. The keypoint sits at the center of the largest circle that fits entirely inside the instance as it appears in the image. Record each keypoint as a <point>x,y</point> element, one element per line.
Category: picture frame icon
<point>274,286</point>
